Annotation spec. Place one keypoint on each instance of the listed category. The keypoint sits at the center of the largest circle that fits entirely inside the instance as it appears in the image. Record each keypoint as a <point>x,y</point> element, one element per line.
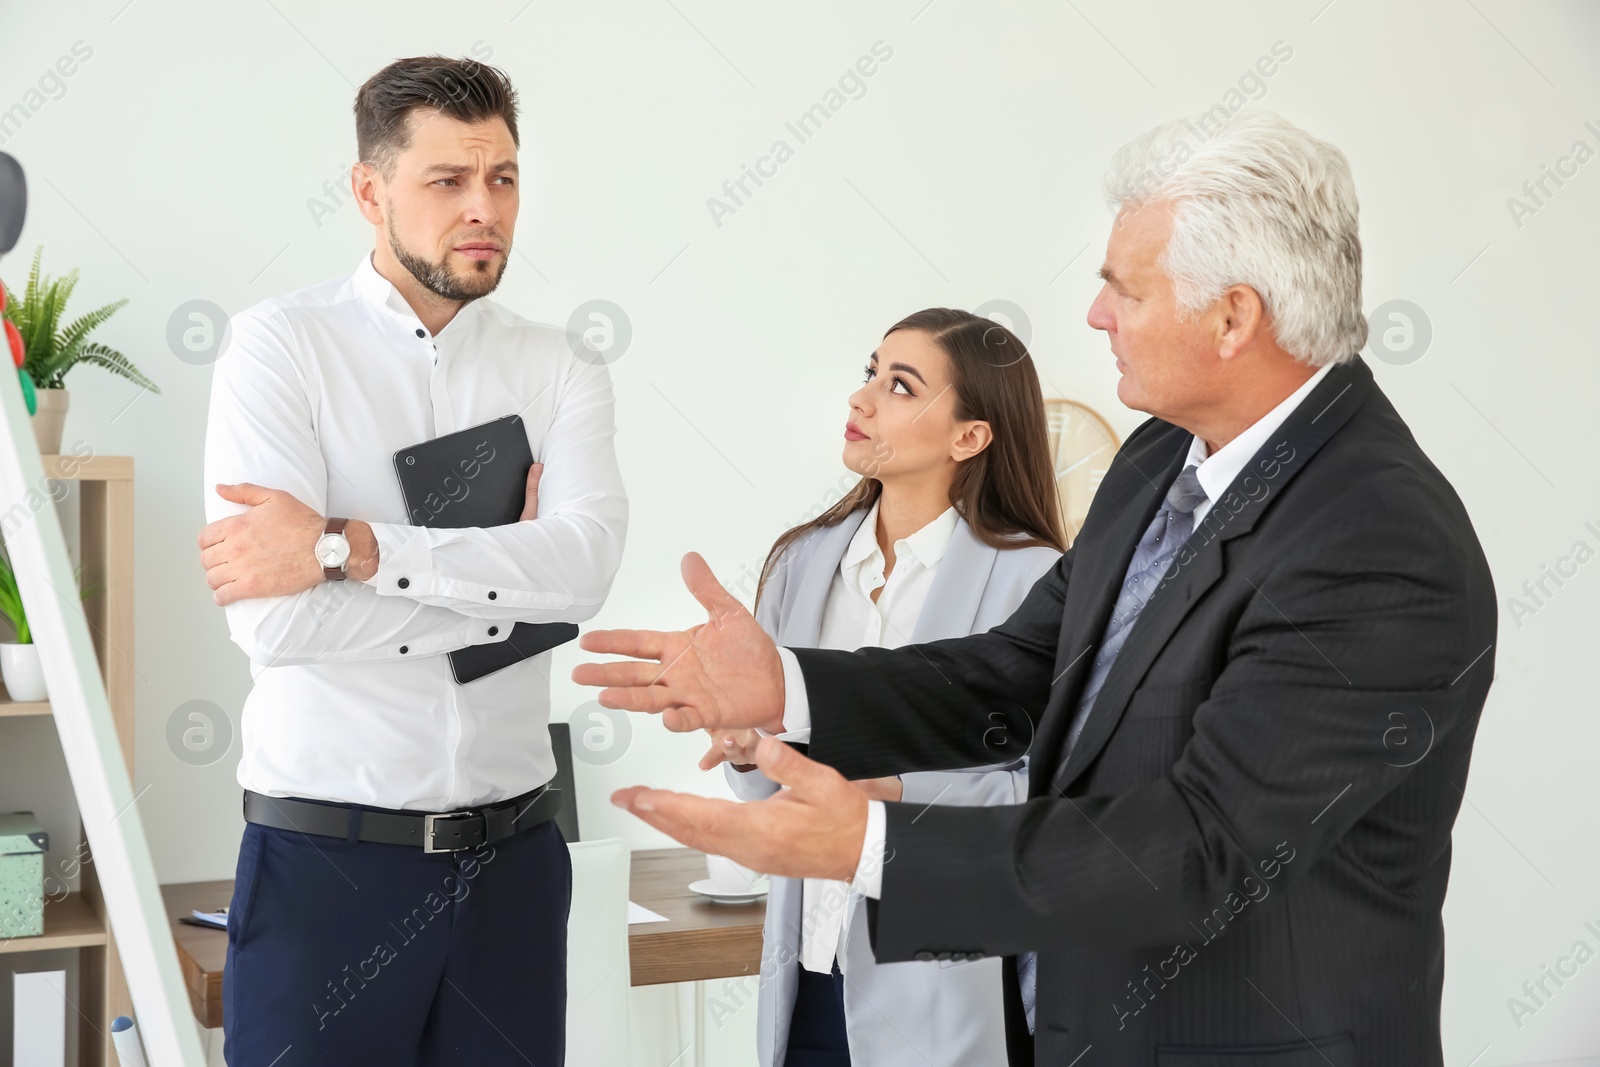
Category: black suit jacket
<point>1244,858</point>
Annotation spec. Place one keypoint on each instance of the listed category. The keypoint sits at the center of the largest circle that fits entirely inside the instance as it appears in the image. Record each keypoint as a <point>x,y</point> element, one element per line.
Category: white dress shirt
<point>851,620</point>
<point>1216,472</point>
<point>353,699</point>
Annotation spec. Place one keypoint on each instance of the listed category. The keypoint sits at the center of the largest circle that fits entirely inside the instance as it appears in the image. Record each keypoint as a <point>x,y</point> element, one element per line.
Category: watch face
<point>332,550</point>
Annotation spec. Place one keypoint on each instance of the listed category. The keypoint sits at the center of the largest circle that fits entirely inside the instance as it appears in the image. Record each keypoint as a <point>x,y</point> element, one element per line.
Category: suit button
<point>924,956</point>
<point>942,956</point>
<point>493,630</point>
<point>404,583</point>
<point>974,955</point>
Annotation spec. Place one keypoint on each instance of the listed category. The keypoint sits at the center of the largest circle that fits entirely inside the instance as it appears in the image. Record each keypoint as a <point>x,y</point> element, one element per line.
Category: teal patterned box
<point>22,846</point>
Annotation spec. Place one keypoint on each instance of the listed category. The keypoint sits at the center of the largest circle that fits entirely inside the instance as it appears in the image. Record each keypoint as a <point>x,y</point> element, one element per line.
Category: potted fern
<point>20,668</point>
<point>51,350</point>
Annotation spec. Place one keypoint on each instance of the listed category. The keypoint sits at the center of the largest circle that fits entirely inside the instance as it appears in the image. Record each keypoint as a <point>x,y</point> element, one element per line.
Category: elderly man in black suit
<point>1248,692</point>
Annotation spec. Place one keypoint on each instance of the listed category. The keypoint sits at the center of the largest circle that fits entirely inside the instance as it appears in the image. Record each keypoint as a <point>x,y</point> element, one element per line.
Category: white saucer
<point>707,888</point>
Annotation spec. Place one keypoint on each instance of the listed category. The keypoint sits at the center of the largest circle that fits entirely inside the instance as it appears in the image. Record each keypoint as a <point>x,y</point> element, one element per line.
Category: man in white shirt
<point>402,889</point>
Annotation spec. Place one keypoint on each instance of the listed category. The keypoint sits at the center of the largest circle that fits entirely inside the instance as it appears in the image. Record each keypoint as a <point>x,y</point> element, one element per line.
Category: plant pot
<point>49,419</point>
<point>22,671</point>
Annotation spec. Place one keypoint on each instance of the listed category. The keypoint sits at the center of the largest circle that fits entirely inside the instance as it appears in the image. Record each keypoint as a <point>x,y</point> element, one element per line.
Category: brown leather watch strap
<point>335,574</point>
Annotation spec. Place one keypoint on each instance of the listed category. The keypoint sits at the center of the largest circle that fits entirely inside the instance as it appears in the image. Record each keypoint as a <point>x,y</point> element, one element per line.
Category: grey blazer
<point>911,1014</point>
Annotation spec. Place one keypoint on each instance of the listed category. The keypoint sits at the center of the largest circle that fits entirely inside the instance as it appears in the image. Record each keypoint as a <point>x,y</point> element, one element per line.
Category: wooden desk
<point>201,950</point>
<point>699,940</point>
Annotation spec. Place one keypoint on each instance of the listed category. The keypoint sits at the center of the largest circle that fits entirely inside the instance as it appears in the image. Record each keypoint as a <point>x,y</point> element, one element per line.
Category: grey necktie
<point>1167,532</point>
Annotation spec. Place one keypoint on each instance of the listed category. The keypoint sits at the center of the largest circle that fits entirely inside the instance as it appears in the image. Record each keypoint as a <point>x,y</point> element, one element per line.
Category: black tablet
<point>477,477</point>
<point>473,477</point>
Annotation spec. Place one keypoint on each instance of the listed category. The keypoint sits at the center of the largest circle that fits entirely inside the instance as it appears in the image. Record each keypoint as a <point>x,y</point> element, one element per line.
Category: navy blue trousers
<point>352,952</point>
<point>816,1029</point>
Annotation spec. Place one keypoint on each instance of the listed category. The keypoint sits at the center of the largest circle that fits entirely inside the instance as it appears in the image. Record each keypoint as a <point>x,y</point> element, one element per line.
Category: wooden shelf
<point>68,923</point>
<point>88,468</point>
<point>9,707</point>
<point>105,542</point>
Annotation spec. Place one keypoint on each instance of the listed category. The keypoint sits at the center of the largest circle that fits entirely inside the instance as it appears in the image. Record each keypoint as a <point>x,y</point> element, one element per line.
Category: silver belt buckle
<point>427,829</point>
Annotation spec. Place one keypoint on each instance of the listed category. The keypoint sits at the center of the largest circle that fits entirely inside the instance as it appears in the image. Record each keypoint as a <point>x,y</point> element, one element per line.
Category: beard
<point>444,281</point>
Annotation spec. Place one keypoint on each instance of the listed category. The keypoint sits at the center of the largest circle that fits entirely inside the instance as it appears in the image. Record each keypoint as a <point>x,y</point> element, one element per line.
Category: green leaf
<point>50,352</point>
<point>46,313</point>
<point>34,320</point>
<point>11,600</point>
<point>31,295</point>
<point>70,338</point>
<point>117,363</point>
<point>84,591</point>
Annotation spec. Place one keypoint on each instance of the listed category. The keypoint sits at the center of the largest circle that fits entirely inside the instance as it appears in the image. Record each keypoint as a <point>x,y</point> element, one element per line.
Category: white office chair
<point>597,956</point>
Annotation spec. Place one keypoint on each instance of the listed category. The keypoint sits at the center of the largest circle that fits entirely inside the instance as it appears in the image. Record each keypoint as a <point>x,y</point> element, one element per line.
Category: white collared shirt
<point>1215,473</point>
<point>353,699</point>
<point>851,620</point>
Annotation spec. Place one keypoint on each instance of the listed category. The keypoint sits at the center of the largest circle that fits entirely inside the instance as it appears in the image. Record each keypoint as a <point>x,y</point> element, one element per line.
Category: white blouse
<point>850,620</point>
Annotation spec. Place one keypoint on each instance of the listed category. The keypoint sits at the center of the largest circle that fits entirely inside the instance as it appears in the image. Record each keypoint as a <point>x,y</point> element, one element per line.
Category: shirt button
<point>404,583</point>
<point>492,594</point>
<point>493,630</point>
<point>403,649</point>
<point>420,333</point>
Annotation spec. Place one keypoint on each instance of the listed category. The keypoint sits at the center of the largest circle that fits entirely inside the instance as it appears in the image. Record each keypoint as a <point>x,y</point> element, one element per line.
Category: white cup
<point>727,876</point>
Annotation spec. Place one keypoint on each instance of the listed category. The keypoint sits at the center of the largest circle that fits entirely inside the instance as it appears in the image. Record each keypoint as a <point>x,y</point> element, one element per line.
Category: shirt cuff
<point>796,708</point>
<point>868,880</point>
<point>402,554</point>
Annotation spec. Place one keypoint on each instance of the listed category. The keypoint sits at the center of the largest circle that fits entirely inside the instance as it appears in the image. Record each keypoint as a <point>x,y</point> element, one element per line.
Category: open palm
<point>722,674</point>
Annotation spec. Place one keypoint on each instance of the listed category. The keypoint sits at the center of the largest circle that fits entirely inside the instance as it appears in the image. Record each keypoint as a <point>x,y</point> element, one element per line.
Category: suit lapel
<point>801,627</point>
<point>1135,483</point>
<point>1199,564</point>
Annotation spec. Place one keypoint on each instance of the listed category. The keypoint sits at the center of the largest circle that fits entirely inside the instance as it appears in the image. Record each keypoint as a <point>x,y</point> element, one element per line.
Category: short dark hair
<point>464,89</point>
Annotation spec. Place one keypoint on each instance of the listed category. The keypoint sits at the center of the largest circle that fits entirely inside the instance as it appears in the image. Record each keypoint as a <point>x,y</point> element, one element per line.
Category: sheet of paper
<point>39,1016</point>
<point>638,913</point>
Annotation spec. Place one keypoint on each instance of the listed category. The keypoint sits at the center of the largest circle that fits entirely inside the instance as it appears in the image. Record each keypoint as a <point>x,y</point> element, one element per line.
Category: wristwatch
<point>333,550</point>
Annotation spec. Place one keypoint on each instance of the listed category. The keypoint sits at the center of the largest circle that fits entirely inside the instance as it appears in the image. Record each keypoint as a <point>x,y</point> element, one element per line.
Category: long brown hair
<point>1006,493</point>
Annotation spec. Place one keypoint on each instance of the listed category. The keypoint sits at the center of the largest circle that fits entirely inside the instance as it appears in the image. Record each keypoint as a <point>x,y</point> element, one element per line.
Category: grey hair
<point>1256,201</point>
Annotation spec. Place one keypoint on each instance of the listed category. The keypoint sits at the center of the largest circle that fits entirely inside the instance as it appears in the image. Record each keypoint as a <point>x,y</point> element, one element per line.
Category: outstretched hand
<point>722,674</point>
<point>813,829</point>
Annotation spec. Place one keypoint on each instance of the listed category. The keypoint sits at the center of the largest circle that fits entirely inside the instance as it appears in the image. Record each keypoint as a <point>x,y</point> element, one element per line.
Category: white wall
<point>179,162</point>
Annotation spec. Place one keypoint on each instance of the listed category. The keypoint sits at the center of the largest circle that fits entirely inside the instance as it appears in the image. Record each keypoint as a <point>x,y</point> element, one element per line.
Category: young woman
<point>953,521</point>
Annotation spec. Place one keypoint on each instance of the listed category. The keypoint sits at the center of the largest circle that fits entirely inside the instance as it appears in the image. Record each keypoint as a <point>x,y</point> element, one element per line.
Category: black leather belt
<point>445,831</point>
